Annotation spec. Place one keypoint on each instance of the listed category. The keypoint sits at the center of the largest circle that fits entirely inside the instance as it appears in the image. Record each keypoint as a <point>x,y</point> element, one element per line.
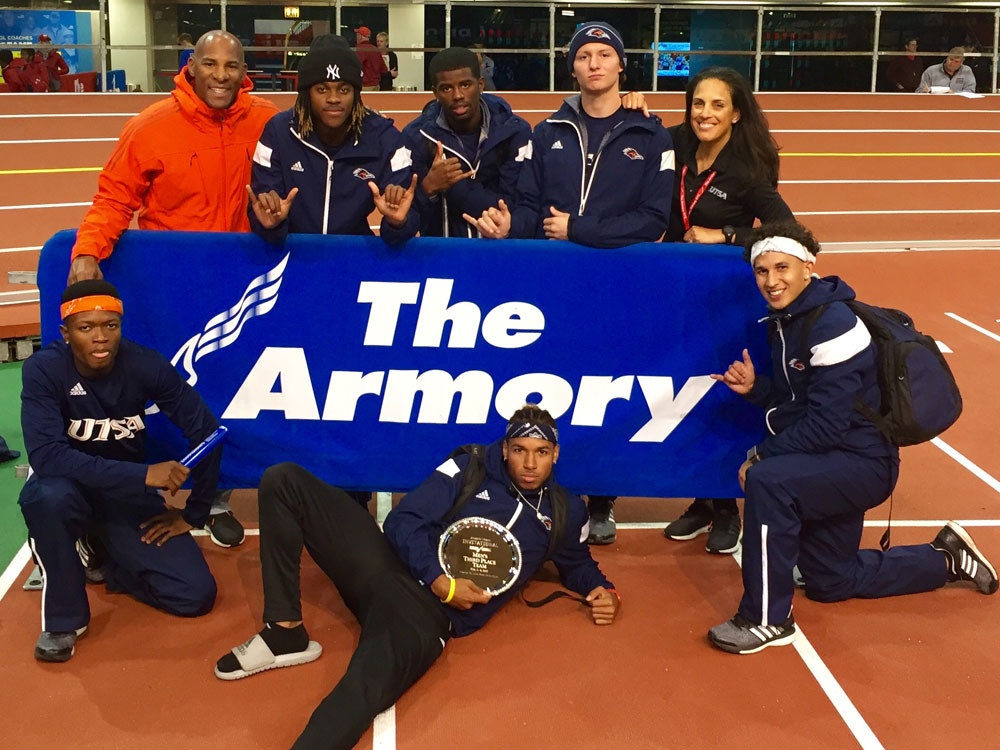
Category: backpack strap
<point>560,512</point>
<point>472,476</point>
<point>807,325</point>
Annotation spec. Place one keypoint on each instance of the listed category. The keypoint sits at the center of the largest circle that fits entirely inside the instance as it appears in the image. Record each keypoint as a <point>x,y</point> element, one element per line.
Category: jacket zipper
<point>444,201</point>
<point>784,369</point>
<point>329,177</point>
<point>222,148</point>
<point>585,191</point>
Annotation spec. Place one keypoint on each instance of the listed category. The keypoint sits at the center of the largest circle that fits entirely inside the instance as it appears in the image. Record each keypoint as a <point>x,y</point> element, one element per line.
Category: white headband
<point>781,245</point>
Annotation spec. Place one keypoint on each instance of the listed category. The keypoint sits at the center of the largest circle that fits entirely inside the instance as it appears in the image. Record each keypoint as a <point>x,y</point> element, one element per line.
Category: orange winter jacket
<point>181,165</point>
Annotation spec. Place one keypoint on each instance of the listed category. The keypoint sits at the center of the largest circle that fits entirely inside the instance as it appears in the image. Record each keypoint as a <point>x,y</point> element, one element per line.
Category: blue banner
<point>369,364</point>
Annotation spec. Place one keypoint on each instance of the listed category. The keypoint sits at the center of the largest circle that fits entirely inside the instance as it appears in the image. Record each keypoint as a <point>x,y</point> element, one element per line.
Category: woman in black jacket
<point>727,176</point>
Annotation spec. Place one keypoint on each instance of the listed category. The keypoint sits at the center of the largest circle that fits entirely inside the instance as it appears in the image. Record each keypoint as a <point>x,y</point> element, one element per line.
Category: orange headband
<point>93,302</point>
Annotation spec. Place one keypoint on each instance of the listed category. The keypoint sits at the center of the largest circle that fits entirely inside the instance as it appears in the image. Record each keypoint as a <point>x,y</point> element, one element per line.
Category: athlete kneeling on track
<point>82,408</point>
<point>809,484</point>
<point>407,605</point>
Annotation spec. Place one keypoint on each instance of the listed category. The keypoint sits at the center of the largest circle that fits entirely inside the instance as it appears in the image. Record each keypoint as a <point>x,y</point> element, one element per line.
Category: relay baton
<point>202,450</point>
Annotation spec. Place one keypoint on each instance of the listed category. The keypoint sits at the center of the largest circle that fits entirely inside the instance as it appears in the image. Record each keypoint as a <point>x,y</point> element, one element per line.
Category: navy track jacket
<point>414,527</point>
<point>503,137</point>
<point>92,431</point>
<point>333,197</point>
<point>627,198</point>
<point>810,400</point>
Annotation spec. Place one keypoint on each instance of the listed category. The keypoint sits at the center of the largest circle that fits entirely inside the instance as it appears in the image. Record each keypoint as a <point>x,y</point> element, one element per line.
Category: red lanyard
<point>685,213</point>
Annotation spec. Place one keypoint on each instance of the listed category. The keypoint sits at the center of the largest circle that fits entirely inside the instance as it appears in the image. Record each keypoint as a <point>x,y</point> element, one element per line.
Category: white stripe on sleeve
<point>262,155</point>
<point>449,468</point>
<point>524,153</point>
<point>841,348</point>
<point>667,160</point>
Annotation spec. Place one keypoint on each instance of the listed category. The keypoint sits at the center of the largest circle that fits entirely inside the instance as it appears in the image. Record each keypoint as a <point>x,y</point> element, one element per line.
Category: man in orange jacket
<point>183,163</point>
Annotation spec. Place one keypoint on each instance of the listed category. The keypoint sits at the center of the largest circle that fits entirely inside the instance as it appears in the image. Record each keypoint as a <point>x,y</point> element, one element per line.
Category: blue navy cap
<point>595,31</point>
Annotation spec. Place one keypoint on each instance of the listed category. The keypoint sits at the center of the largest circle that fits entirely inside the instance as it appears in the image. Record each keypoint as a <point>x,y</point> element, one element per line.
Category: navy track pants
<point>174,577</point>
<point>809,510</point>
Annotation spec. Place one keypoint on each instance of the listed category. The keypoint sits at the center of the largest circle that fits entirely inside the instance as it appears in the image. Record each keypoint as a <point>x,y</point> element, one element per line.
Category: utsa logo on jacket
<point>332,198</point>
<point>496,166</point>
<point>627,196</point>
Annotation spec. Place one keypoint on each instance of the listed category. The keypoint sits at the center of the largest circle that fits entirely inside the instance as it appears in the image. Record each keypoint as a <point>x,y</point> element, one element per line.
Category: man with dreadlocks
<point>406,603</point>
<point>325,147</point>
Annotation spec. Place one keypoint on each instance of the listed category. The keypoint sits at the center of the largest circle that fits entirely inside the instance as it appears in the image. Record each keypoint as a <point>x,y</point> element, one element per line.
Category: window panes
<point>497,28</point>
<point>818,31</point>
<point>816,73</point>
<point>168,22</point>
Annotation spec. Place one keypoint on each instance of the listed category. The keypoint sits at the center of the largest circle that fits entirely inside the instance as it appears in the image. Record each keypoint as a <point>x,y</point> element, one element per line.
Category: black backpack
<point>920,398</point>
<point>472,478</point>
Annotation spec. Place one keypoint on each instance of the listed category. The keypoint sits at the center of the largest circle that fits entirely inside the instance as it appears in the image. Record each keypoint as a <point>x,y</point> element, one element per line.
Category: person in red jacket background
<point>57,67</point>
<point>11,70</point>
<point>183,164</point>
<point>372,64</point>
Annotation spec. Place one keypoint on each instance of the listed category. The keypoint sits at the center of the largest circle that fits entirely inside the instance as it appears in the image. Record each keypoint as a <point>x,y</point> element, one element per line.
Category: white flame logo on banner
<point>260,296</point>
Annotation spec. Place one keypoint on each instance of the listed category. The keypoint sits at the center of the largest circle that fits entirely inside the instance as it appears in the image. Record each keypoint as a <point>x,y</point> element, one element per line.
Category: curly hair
<point>790,229</point>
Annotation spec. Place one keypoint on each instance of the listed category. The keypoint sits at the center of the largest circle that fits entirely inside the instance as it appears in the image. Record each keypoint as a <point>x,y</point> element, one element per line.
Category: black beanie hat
<point>595,31</point>
<point>329,63</point>
<point>89,288</point>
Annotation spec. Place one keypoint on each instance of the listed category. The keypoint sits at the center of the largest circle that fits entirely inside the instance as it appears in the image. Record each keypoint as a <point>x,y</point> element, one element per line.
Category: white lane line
<point>62,140</point>
<point>886,130</point>
<point>945,349</point>
<point>47,115</point>
<point>973,326</point>
<point>33,290</point>
<point>874,523</point>
<point>990,480</point>
<point>828,683</point>
<point>47,205</point>
<point>14,569</point>
<point>882,182</point>
<point>20,302</point>
<point>24,249</point>
<point>923,211</point>
<point>851,716</point>
<point>384,730</point>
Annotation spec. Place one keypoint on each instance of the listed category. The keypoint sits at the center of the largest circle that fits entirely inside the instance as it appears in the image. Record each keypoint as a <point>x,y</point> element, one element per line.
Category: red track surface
<point>933,204</point>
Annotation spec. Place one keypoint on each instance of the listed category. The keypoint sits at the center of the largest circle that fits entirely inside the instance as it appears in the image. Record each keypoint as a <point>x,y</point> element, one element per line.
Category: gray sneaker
<point>57,646</point>
<point>602,524</point>
<point>740,636</point>
<point>965,561</point>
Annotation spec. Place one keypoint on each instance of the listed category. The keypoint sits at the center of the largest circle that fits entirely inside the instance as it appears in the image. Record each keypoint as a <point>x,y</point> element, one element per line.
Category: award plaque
<point>483,551</point>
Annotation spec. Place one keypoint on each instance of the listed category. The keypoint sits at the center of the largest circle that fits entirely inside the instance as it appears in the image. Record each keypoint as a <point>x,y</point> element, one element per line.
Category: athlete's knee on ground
<point>828,588</point>
<point>195,597</point>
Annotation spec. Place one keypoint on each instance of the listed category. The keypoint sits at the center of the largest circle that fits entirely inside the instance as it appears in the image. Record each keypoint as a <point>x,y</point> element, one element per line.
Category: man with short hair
<point>824,464</point>
<point>595,173</point>
<point>407,603</point>
<point>183,163</point>
<point>389,58</point>
<point>950,76</point>
<point>465,147</point>
<point>904,71</point>
<point>372,64</point>
<point>83,405</point>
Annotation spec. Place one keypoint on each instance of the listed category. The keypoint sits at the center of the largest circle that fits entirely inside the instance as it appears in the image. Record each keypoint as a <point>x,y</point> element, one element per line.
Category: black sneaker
<point>727,531</point>
<point>57,646</point>
<point>93,555</point>
<point>602,521</point>
<point>965,561</point>
<point>740,636</point>
<point>697,519</point>
<point>224,529</point>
